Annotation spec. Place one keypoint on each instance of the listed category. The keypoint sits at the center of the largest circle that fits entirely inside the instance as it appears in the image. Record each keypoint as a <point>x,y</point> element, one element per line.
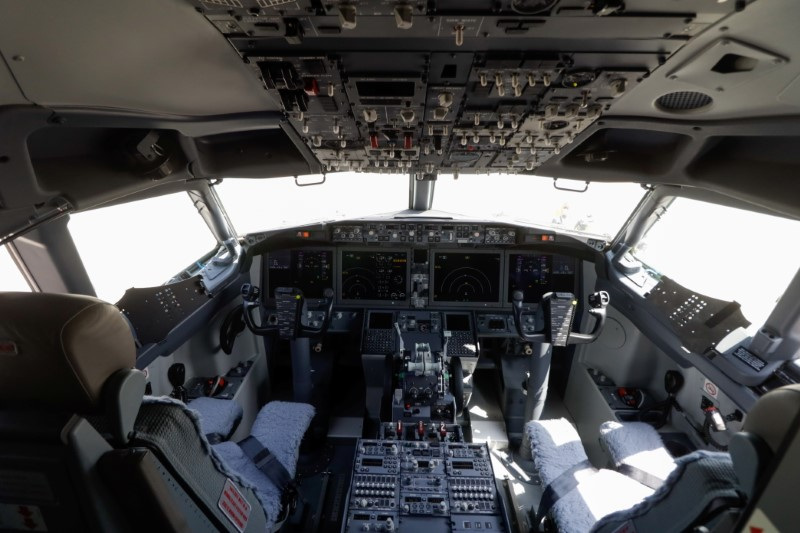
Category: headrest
<point>58,350</point>
<point>772,416</point>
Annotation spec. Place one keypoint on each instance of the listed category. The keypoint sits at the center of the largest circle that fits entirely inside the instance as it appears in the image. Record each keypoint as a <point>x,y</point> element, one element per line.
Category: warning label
<point>749,358</point>
<point>234,505</point>
<point>759,523</point>
<point>21,517</point>
<point>710,389</point>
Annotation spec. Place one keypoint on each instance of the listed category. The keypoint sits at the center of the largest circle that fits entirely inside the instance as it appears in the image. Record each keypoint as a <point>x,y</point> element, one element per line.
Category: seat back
<point>79,451</point>
<point>61,357</point>
<point>766,456</point>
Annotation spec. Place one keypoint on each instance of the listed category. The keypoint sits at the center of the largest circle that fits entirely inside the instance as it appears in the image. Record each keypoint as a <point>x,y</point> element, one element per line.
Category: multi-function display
<point>466,277</point>
<point>372,275</point>
<point>537,274</point>
<point>311,271</point>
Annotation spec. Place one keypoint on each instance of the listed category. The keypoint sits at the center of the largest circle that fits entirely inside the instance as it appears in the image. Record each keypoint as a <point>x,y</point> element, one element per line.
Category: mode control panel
<point>449,485</point>
<point>405,233</point>
<point>500,236</point>
<point>348,234</point>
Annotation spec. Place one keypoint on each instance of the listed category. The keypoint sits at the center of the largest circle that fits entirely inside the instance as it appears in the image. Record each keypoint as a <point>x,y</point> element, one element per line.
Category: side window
<point>139,244</point>
<point>11,279</point>
<point>726,253</point>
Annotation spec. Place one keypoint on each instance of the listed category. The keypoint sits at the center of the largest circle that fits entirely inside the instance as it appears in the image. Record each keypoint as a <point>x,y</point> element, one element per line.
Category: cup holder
<point>651,417</point>
<point>677,444</point>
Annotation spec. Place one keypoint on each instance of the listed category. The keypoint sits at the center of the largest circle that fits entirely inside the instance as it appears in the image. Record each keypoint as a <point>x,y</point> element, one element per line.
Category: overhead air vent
<point>684,102</point>
<point>731,63</point>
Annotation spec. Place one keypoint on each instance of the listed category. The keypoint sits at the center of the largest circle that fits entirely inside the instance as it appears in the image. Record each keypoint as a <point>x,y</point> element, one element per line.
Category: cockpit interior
<point>393,265</point>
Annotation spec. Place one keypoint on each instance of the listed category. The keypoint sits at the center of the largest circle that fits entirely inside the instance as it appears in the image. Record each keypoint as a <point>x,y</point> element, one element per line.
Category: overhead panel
<point>429,87</point>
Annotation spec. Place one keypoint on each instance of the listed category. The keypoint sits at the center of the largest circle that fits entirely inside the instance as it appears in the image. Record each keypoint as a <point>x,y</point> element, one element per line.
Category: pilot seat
<point>649,490</point>
<point>82,448</point>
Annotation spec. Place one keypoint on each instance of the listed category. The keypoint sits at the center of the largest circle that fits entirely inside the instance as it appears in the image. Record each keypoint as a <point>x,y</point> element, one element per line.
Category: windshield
<point>258,205</point>
<point>600,211</point>
<point>723,252</point>
<point>139,244</point>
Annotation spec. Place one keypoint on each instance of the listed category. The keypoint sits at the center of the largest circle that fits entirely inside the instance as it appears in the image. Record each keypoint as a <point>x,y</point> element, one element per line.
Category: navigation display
<point>537,274</point>
<point>308,270</point>
<point>371,275</point>
<point>466,277</point>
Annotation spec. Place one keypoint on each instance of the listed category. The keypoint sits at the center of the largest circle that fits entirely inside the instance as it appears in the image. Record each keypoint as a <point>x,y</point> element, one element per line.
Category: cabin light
<point>304,234</point>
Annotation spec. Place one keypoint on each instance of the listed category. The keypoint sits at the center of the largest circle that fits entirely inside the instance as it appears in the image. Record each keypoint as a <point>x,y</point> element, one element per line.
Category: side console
<point>423,485</point>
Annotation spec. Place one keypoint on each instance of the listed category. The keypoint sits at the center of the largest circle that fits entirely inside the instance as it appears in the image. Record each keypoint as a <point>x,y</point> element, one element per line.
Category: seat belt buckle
<point>289,498</point>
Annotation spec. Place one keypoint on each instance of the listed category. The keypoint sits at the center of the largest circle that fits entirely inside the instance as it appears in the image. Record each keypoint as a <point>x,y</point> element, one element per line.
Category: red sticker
<point>8,348</point>
<point>234,505</point>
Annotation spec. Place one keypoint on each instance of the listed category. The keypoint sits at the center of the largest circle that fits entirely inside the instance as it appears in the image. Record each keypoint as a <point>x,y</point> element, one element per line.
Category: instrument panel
<point>402,277</point>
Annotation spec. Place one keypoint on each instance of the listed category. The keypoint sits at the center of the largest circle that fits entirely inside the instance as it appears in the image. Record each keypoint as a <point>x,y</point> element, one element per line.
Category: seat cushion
<point>638,445</point>
<point>699,478</point>
<point>279,427</point>
<point>217,417</point>
<point>556,448</point>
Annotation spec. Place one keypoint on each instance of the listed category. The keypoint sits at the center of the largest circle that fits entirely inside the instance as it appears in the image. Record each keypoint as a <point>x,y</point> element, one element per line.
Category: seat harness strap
<point>266,462</point>
<point>558,488</point>
<point>637,474</point>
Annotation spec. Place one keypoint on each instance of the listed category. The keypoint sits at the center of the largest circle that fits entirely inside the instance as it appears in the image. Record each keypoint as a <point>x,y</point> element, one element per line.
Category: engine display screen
<point>308,270</point>
<point>371,275</point>
<point>538,274</point>
<point>466,277</point>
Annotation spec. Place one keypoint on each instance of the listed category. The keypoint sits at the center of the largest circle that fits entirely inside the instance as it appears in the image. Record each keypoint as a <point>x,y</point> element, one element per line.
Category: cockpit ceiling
<point>697,93</point>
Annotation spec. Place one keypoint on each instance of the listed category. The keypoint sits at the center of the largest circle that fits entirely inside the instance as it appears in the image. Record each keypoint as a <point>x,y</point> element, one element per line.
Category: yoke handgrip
<point>250,297</point>
<point>598,302</point>
<point>516,307</point>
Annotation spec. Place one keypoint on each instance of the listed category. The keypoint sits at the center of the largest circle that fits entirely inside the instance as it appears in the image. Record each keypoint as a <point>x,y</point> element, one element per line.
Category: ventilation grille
<point>683,101</point>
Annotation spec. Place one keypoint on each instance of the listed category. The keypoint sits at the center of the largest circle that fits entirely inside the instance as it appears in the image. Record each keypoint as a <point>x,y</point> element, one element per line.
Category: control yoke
<point>559,311</point>
<point>290,306</point>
